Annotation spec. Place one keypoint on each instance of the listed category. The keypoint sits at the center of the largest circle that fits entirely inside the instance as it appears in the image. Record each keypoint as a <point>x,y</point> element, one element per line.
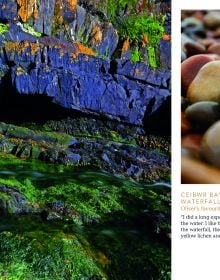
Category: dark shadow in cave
<point>18,108</point>
<point>159,122</point>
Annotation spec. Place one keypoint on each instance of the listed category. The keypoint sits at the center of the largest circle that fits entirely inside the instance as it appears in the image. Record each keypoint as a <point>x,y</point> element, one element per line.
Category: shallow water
<point>48,174</point>
<point>124,246</point>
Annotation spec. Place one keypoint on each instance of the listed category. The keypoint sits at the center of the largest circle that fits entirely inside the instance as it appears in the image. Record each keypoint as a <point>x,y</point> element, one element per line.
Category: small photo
<point>200,96</point>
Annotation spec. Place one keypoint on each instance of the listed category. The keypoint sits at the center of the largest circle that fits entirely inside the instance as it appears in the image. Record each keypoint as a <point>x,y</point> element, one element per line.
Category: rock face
<point>76,79</point>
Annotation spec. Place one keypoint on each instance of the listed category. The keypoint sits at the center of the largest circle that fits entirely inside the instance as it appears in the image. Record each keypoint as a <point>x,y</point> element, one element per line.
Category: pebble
<point>189,152</point>
<point>192,141</point>
<point>206,84</point>
<point>212,19</point>
<point>203,113</point>
<point>207,42</point>
<point>210,146</point>
<point>200,96</point>
<point>185,125</point>
<point>191,22</point>
<point>183,56</point>
<point>194,48</point>
<point>191,47</point>
<point>184,103</point>
<point>191,66</point>
<point>214,48</point>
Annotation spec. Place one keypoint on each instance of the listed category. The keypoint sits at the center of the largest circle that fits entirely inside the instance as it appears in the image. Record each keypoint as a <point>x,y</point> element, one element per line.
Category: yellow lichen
<point>166,37</point>
<point>27,8</point>
<point>126,46</point>
<point>138,72</point>
<point>72,4</point>
<point>145,39</point>
<point>96,35</point>
<point>20,47</point>
<point>81,49</point>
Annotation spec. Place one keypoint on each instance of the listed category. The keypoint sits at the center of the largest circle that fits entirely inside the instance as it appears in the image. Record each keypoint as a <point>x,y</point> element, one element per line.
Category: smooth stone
<point>212,19</point>
<point>207,42</point>
<point>184,103</point>
<point>184,40</point>
<point>192,141</point>
<point>183,56</point>
<point>191,22</point>
<point>210,146</point>
<point>191,66</point>
<point>185,125</point>
<point>191,153</point>
<point>214,48</point>
<point>194,48</point>
<point>206,84</point>
<point>216,33</point>
<point>203,113</point>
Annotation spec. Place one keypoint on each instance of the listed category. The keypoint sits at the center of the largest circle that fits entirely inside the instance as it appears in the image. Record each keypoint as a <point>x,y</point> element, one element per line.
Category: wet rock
<point>53,216</point>
<point>13,202</point>
<point>50,155</point>
<point>74,158</point>
<point>203,113</point>
<point>210,145</point>
<point>205,86</point>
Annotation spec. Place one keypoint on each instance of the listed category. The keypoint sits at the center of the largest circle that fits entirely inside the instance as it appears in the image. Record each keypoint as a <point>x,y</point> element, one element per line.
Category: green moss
<point>3,28</point>
<point>135,26</point>
<point>4,196</point>
<point>42,255</point>
<point>29,29</point>
<point>135,55</point>
<point>153,61</point>
<point>117,8</point>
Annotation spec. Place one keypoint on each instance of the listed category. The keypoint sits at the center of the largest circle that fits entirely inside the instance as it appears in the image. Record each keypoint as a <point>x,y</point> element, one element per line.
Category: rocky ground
<point>200,96</point>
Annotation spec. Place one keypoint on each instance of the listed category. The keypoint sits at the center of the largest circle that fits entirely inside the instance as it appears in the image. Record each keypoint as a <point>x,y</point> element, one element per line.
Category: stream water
<point>133,244</point>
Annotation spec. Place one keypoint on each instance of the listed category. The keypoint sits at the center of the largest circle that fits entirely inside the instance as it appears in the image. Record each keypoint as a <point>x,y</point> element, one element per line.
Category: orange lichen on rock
<point>72,4</point>
<point>20,47</point>
<point>27,8</point>
<point>103,260</point>
<point>166,37</point>
<point>139,73</point>
<point>96,35</point>
<point>126,46</point>
<point>81,49</point>
<point>145,39</point>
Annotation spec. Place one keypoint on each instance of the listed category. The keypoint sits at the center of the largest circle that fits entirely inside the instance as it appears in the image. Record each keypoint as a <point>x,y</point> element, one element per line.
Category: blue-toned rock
<point>8,10</point>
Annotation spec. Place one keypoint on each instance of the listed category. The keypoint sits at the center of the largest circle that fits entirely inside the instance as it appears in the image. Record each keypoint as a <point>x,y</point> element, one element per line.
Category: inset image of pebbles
<point>200,100</point>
